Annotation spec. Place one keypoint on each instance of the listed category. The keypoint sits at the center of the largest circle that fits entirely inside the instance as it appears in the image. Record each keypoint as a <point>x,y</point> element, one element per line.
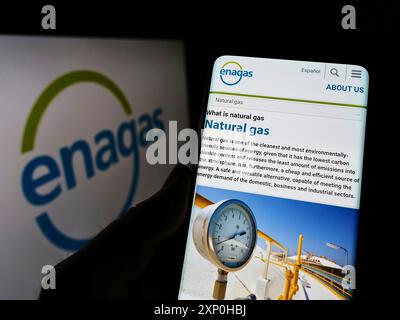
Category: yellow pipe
<point>299,249</point>
<point>271,240</point>
<point>278,264</point>
<point>288,281</point>
<point>295,286</point>
<point>201,202</point>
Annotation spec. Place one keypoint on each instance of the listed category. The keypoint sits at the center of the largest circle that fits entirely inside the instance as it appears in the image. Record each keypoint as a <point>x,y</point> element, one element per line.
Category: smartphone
<point>277,195</point>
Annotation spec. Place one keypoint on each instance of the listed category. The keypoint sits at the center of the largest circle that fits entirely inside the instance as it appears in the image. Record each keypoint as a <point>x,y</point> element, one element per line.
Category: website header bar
<point>324,83</point>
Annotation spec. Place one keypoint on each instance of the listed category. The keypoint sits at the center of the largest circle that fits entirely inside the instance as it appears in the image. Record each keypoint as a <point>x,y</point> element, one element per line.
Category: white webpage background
<point>341,131</point>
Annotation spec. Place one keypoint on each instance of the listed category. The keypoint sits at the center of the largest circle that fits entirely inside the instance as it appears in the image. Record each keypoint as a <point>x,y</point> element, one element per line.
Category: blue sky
<point>285,219</point>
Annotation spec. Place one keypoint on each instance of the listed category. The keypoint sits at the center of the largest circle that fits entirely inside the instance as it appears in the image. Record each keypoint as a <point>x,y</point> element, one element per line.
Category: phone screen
<point>276,204</point>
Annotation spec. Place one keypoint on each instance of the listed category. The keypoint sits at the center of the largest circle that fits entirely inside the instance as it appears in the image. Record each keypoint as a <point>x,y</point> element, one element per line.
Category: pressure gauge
<point>225,234</point>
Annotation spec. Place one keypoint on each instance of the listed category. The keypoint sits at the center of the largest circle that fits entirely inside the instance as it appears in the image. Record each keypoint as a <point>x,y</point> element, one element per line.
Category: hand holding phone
<point>277,196</point>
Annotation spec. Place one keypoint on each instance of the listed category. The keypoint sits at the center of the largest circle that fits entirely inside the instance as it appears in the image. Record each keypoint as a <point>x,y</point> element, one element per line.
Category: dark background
<point>304,31</point>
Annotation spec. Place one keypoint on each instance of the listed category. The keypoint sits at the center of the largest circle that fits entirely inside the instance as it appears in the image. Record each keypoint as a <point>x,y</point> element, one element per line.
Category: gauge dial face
<point>233,233</point>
